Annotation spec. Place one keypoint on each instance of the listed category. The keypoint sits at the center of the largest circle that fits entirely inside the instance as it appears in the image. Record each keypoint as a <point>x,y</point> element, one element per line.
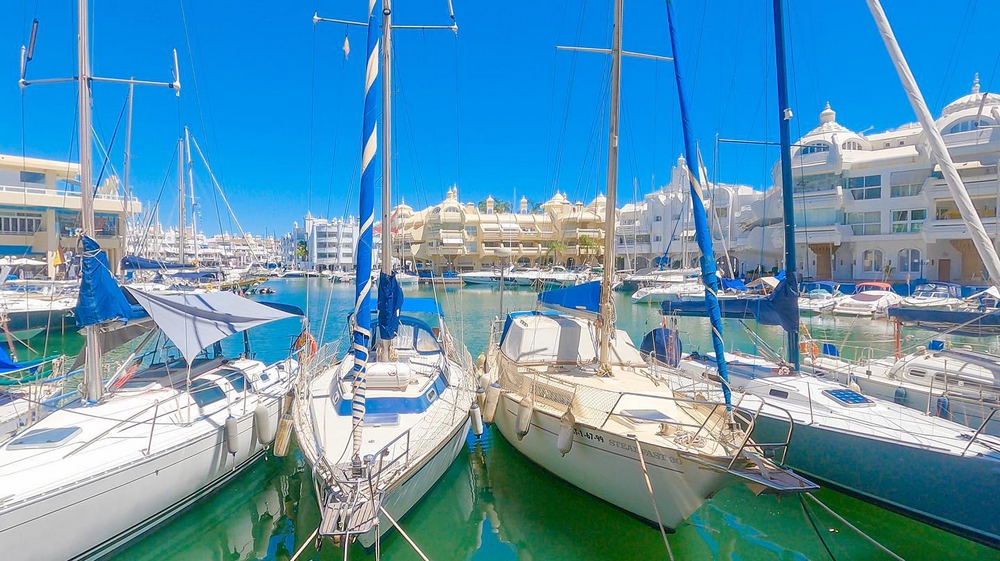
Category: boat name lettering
<point>651,454</point>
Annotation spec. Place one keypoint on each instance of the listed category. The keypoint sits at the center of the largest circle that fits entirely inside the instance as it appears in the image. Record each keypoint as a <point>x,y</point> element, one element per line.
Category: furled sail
<point>100,299</point>
<point>390,301</point>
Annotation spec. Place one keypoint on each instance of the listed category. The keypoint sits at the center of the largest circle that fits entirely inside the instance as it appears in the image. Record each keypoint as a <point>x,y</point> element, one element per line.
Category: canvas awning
<point>195,321</point>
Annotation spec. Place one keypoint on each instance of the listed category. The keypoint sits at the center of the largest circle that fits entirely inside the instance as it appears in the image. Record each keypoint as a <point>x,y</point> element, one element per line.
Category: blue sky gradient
<point>496,110</point>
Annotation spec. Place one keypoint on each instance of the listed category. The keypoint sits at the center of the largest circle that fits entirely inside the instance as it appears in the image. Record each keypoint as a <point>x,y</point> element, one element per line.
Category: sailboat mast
<point>787,185</point>
<point>703,235</point>
<point>607,296</point>
<point>128,169</point>
<point>980,239</point>
<point>386,135</point>
<point>190,174</point>
<point>180,201</point>
<point>93,382</point>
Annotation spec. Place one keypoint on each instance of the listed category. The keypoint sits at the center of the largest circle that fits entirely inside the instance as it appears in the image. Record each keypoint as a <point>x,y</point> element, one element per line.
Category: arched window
<point>909,261</point>
<point>967,125</point>
<point>871,261</point>
<point>814,148</point>
<point>852,145</point>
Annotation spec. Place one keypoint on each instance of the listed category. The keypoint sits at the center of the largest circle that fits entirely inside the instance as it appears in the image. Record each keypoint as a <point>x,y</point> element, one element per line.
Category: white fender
<point>262,425</point>
<point>523,422</point>
<point>232,436</point>
<point>566,424</point>
<point>477,419</point>
<point>492,400</point>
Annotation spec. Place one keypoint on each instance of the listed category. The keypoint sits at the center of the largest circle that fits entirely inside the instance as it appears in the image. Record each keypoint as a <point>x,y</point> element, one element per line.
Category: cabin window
<point>917,373</point>
<point>236,378</point>
<point>44,438</point>
<point>778,393</point>
<point>205,392</point>
<point>871,261</point>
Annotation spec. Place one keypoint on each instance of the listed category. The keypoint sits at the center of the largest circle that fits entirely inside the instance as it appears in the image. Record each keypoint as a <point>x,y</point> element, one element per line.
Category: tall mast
<point>386,135</point>
<point>194,215</point>
<point>607,296</point>
<point>128,168</point>
<point>93,381</point>
<point>703,235</point>
<point>787,184</point>
<point>180,200</point>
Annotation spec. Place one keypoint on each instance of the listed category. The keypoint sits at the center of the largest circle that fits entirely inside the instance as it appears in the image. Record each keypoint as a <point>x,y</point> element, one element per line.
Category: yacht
<point>818,297</point>
<point>934,295</point>
<point>870,299</point>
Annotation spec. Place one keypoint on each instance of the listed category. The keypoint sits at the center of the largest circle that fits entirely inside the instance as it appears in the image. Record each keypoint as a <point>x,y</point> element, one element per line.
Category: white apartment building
<point>660,229</point>
<point>330,244</point>
<point>876,207</point>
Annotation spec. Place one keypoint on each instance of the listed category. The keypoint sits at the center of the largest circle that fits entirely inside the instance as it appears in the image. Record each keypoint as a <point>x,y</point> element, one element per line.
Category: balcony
<point>16,195</point>
<point>953,229</point>
<point>832,197</point>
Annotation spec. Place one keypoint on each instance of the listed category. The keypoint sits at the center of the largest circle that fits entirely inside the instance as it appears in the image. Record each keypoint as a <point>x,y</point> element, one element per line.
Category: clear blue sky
<point>496,110</point>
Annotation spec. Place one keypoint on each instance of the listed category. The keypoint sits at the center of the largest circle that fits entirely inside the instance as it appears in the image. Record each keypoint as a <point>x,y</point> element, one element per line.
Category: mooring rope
<point>855,528</point>
<point>649,487</point>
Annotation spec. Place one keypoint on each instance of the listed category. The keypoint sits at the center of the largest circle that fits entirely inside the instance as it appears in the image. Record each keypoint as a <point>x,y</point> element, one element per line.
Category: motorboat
<point>655,294</point>
<point>818,297</point>
<point>481,278</point>
<point>869,299</point>
<point>935,296</point>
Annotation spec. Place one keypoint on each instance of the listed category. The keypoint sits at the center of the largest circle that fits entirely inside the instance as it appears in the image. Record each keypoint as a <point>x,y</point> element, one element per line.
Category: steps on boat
<point>350,515</point>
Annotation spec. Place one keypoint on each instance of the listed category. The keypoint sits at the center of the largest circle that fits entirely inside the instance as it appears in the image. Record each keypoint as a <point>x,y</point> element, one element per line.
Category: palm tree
<point>302,251</point>
<point>588,245</point>
<point>499,206</point>
<point>555,248</point>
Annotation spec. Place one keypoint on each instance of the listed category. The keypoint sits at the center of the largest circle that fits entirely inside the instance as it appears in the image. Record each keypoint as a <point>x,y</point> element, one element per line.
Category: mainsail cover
<point>390,301</point>
<point>195,321</point>
<point>100,299</point>
<point>580,300</point>
<point>781,307</point>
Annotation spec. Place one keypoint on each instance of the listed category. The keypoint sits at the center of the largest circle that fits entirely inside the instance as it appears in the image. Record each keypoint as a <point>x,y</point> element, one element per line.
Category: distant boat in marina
<point>934,295</point>
<point>870,299</point>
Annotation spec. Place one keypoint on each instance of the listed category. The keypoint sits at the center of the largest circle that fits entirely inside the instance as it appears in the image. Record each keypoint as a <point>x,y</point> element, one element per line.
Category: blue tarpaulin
<point>133,262</point>
<point>390,300</point>
<point>582,299</point>
<point>101,298</point>
<point>781,307</point>
<point>734,284</point>
<point>662,344</point>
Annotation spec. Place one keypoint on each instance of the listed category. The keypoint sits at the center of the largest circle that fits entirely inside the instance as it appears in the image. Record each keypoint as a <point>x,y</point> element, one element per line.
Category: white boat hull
<point>400,499</point>
<point>607,466</point>
<point>103,513</point>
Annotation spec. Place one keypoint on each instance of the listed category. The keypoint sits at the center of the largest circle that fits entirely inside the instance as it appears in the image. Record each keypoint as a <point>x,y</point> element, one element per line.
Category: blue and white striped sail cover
<point>370,168</point>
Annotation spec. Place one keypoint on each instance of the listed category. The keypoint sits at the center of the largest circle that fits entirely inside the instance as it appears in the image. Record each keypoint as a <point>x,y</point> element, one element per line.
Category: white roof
<point>561,338</point>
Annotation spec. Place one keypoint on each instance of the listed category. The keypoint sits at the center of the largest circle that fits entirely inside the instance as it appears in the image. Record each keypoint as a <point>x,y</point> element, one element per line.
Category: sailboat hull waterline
<point>62,506</point>
<point>601,461</point>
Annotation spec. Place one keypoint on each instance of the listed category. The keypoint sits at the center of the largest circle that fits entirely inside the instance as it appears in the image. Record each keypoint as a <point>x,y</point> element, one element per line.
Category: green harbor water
<point>495,504</point>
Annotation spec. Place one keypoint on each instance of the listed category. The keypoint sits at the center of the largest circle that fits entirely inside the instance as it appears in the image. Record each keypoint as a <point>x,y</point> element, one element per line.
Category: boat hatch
<point>848,398</point>
<point>206,392</point>
<point>382,420</point>
<point>44,438</point>
<point>236,378</point>
<point>647,415</point>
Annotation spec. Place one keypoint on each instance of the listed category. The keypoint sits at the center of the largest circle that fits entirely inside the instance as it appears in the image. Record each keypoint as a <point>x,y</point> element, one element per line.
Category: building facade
<point>40,205</point>
<point>321,244</point>
<point>877,207</point>
<point>660,229</point>
<point>459,237</point>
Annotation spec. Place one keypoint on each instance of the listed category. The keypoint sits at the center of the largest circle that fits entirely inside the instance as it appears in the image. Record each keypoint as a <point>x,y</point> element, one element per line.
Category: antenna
<point>31,41</point>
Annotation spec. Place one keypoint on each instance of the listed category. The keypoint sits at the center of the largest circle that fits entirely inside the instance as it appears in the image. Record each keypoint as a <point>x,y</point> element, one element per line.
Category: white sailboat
<point>176,421</point>
<point>922,465</point>
<point>381,425</point>
<point>573,394</point>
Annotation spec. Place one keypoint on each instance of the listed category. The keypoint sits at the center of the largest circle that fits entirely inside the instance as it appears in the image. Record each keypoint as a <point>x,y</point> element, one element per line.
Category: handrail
<point>105,433</point>
<point>149,445</point>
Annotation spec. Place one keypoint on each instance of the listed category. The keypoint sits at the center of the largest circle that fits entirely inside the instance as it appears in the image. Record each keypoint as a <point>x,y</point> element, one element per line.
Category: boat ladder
<point>349,510</point>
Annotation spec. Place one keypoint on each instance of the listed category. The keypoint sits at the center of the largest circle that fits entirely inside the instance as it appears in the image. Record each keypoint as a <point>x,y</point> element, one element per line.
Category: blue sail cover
<point>702,233</point>
<point>581,300</point>
<point>371,159</point>
<point>390,301</point>
<point>101,299</point>
<point>781,307</point>
<point>734,284</point>
<point>662,344</point>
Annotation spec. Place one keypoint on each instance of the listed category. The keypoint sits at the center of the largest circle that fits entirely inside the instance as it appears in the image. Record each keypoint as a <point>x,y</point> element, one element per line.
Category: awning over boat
<point>581,300</point>
<point>544,337</point>
<point>195,321</point>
